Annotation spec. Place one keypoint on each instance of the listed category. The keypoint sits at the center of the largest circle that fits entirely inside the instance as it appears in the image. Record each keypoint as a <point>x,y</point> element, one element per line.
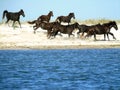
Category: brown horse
<point>85,28</point>
<point>66,18</point>
<point>42,18</point>
<point>45,18</point>
<point>46,26</point>
<point>65,29</point>
<point>103,29</point>
<point>14,16</point>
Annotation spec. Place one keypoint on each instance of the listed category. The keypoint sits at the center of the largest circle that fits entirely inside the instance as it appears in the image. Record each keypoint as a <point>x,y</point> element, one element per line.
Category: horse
<point>45,17</point>
<point>42,18</point>
<point>103,29</point>
<point>46,26</point>
<point>85,28</point>
<point>65,18</point>
<point>14,16</point>
<point>65,29</point>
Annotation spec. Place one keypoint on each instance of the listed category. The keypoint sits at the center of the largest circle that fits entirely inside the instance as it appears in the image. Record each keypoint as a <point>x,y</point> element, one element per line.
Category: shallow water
<point>82,69</point>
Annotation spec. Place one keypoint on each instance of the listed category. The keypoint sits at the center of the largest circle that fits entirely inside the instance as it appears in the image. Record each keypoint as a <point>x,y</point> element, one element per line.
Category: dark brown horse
<point>45,18</point>
<point>42,18</point>
<point>103,29</point>
<point>85,28</point>
<point>65,29</point>
<point>14,16</point>
<point>66,18</point>
<point>46,26</point>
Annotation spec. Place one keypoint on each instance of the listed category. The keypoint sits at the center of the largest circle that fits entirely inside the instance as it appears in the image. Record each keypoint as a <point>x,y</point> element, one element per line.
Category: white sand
<point>25,38</point>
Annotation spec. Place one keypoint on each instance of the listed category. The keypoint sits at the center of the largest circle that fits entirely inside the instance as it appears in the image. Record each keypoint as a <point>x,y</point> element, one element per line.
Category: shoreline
<point>52,47</point>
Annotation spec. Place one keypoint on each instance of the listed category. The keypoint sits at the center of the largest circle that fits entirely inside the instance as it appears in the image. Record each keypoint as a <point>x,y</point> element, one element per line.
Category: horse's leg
<point>78,34</point>
<point>7,22</point>
<point>49,34</point>
<point>82,34</point>
<point>104,37</point>
<point>56,33</point>
<point>19,24</point>
<point>95,37</point>
<point>108,37</point>
<point>13,24</point>
<point>112,35</point>
<point>69,35</point>
<point>35,30</point>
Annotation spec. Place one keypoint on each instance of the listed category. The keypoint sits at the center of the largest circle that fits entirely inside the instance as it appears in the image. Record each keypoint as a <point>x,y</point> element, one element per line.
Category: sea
<point>60,69</point>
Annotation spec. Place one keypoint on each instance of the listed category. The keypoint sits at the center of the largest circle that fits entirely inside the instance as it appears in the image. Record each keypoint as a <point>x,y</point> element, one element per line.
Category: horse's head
<point>113,24</point>
<point>76,24</point>
<point>51,13</point>
<point>72,15</point>
<point>22,13</point>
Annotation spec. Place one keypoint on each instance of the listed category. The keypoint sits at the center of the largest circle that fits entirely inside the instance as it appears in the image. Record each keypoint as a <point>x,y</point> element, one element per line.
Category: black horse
<point>65,29</point>
<point>65,18</point>
<point>103,29</point>
<point>14,16</point>
<point>85,28</point>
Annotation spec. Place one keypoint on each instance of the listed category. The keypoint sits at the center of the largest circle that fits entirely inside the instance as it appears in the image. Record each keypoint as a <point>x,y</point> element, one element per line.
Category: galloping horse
<point>45,17</point>
<point>46,26</point>
<point>84,28</point>
<point>65,18</point>
<point>103,29</point>
<point>13,16</point>
<point>42,18</point>
<point>65,29</point>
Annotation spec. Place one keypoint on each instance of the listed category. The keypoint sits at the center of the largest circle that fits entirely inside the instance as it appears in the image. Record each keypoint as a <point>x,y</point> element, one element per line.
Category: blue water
<point>82,69</point>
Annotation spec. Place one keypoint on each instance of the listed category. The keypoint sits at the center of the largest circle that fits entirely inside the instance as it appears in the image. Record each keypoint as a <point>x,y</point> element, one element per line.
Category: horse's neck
<point>19,13</point>
<point>110,26</point>
<point>107,26</point>
<point>49,15</point>
<point>69,16</point>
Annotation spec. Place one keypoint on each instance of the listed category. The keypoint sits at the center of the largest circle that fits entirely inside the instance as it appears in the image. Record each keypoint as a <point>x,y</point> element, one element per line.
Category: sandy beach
<point>24,38</point>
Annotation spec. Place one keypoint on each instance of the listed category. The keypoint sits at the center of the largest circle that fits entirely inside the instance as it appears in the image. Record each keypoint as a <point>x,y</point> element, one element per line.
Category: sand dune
<point>23,38</point>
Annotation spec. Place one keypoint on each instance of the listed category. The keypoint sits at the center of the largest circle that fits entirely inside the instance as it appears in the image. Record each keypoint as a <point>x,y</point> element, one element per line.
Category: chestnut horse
<point>14,16</point>
<point>66,18</point>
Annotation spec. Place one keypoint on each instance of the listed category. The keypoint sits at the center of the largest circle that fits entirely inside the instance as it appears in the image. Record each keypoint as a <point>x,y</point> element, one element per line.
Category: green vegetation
<point>95,21</point>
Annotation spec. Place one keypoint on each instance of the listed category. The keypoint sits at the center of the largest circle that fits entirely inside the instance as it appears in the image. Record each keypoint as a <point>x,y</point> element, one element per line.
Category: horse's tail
<point>4,13</point>
<point>31,22</point>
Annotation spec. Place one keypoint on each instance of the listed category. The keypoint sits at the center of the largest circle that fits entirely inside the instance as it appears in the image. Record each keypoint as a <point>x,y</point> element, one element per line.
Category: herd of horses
<point>53,28</point>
